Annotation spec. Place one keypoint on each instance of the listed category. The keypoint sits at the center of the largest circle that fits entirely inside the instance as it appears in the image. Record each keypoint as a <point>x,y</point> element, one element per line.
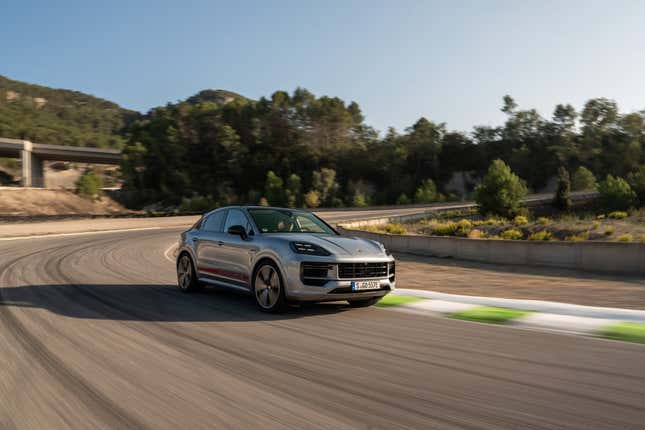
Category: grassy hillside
<point>62,117</point>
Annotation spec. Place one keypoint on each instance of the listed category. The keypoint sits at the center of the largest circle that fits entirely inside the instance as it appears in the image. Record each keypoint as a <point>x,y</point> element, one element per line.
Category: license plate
<point>365,285</point>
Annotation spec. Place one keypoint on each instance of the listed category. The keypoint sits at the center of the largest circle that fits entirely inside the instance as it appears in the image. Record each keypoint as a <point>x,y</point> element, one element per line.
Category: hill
<point>219,97</point>
<point>63,117</point>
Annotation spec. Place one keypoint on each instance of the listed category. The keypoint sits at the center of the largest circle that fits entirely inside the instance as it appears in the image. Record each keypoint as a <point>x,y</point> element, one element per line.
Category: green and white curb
<point>612,323</point>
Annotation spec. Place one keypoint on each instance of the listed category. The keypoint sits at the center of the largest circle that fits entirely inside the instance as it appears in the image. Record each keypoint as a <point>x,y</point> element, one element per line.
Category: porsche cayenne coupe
<point>282,256</point>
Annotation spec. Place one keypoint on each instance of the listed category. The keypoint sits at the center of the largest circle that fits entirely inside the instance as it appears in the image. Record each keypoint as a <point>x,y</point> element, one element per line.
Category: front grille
<point>362,270</point>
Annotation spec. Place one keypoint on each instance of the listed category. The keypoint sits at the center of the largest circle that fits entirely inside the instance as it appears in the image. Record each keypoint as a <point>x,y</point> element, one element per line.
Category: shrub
<point>426,193</point>
<point>595,225</point>
<point>495,221</point>
<point>512,234</point>
<point>520,220</point>
<point>359,200</point>
<point>600,216</point>
<point>403,200</point>
<point>583,179</point>
<point>543,220</point>
<point>641,238</point>
<point>197,204</point>
<point>580,237</point>
<point>445,229</point>
<point>312,199</point>
<point>625,237</point>
<point>395,228</point>
<point>609,231</point>
<point>501,191</point>
<point>618,215</point>
<point>562,198</point>
<point>478,234</point>
<point>616,194</point>
<point>89,185</point>
<point>263,202</point>
<point>463,227</point>
<point>541,235</point>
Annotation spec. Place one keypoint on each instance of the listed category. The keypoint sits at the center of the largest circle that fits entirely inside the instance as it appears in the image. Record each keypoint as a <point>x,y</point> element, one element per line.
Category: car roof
<point>255,207</point>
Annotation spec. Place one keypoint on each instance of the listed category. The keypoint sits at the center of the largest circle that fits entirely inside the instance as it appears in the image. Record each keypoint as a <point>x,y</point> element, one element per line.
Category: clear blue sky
<point>449,61</point>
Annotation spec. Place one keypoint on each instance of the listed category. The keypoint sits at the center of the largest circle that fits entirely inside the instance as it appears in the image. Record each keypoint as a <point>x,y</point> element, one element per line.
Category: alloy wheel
<point>267,287</point>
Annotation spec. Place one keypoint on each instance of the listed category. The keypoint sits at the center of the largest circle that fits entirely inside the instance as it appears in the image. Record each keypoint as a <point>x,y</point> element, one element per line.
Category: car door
<point>208,246</point>
<point>237,253</point>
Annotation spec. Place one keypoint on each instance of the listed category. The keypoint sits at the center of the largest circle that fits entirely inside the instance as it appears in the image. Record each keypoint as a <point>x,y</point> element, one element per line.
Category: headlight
<point>383,248</point>
<point>308,248</point>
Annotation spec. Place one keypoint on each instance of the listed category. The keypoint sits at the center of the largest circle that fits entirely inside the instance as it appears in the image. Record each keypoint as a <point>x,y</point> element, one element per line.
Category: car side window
<point>214,222</point>
<point>236,217</point>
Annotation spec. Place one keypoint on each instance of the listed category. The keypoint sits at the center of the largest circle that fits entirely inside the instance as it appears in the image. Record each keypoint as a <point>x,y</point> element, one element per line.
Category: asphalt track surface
<point>94,334</point>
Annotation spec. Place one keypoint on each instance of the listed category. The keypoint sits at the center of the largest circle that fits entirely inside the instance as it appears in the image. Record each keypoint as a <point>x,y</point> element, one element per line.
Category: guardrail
<point>534,200</point>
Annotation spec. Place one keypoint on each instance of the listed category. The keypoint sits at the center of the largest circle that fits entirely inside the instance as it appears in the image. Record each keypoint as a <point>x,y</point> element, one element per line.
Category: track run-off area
<point>95,334</point>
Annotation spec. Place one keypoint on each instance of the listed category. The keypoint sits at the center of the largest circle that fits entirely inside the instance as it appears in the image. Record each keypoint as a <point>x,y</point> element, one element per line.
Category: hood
<point>338,245</point>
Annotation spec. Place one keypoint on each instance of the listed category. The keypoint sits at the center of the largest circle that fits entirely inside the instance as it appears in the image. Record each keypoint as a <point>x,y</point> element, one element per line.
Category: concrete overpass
<point>32,156</point>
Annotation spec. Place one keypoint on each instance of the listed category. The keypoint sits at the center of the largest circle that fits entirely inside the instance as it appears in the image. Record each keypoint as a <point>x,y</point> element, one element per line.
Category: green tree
<point>274,189</point>
<point>426,193</point>
<point>616,194</point>
<point>324,183</point>
<point>562,198</point>
<point>501,192</point>
<point>637,182</point>
<point>312,199</point>
<point>583,179</point>
<point>294,191</point>
<point>89,185</point>
<point>403,200</point>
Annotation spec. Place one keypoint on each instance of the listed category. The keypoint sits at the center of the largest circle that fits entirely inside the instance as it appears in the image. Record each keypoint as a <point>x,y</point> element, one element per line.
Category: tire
<point>268,288</point>
<point>186,274</point>
<point>364,303</point>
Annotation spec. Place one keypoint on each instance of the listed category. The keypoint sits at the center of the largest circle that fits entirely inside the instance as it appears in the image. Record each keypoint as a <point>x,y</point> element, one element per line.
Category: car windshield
<point>288,221</point>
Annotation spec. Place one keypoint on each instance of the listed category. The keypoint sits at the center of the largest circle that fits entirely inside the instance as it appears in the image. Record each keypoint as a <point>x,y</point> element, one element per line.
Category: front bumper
<point>334,288</point>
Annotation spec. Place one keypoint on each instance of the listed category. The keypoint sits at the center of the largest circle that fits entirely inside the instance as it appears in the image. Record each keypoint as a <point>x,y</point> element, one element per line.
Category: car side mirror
<point>237,230</point>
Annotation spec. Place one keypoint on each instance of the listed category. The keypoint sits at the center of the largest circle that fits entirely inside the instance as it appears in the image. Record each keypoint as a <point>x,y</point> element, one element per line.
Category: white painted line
<point>165,254</point>
<point>437,306</point>
<point>566,323</point>
<point>81,233</point>
<point>543,306</point>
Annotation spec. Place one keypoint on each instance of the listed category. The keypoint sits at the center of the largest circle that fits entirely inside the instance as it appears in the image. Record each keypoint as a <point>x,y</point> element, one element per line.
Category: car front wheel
<point>268,288</point>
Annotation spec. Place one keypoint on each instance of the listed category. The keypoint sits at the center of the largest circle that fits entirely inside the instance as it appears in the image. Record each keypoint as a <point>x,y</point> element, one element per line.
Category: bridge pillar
<point>25,161</point>
<point>33,174</point>
<point>37,172</point>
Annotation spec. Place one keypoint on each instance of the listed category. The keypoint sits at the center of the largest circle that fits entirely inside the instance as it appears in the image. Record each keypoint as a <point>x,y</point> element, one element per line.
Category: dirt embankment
<point>32,202</point>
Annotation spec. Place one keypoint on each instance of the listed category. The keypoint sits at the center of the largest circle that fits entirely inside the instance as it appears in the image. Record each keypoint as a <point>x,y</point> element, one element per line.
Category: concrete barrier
<point>590,256</point>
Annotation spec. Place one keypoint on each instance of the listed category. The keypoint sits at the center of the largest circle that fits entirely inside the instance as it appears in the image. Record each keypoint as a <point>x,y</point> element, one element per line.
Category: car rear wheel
<point>364,302</point>
<point>186,275</point>
<point>268,288</point>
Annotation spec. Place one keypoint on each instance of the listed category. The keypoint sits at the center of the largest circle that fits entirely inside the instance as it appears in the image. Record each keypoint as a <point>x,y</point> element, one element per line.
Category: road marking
<point>165,254</point>
<point>80,233</point>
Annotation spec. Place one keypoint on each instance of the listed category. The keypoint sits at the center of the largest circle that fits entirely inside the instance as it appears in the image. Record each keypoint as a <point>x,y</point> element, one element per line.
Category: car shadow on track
<point>151,302</point>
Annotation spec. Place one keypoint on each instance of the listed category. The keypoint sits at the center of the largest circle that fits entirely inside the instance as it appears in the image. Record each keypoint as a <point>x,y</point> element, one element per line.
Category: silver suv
<point>282,255</point>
